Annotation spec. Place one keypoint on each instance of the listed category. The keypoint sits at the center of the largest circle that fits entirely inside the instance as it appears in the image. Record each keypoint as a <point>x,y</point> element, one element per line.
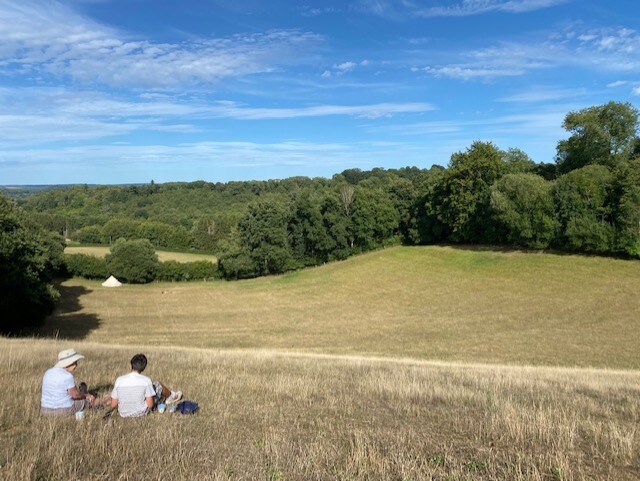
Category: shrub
<point>83,265</point>
<point>133,261</point>
<point>174,271</point>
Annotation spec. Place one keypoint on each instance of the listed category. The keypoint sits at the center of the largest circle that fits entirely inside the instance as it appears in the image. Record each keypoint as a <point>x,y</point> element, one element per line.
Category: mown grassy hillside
<point>444,303</point>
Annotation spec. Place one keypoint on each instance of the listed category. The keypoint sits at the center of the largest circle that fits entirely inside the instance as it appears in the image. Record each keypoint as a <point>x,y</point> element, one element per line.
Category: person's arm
<point>75,394</point>
<point>114,402</point>
<point>150,403</point>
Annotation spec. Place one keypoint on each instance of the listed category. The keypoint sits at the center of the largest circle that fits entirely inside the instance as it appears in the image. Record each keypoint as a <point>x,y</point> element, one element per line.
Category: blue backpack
<point>187,407</point>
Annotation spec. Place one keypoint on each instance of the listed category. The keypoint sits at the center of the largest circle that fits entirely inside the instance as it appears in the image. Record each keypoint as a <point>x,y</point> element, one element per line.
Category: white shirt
<point>55,385</point>
<point>131,390</point>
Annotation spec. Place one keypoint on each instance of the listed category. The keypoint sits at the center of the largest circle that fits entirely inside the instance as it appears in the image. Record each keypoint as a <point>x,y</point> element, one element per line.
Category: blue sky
<point>121,91</point>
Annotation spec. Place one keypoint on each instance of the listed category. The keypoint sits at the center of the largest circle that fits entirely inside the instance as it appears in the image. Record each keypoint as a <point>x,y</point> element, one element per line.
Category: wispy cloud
<point>544,94</point>
<point>201,160</point>
<point>41,114</point>
<point>48,37</point>
<point>344,67</point>
<point>464,8</point>
<point>610,50</point>
<point>233,110</point>
<point>476,7</point>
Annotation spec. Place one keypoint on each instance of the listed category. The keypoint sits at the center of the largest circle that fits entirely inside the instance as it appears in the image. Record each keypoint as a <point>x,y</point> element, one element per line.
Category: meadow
<point>403,364</point>
<point>101,251</point>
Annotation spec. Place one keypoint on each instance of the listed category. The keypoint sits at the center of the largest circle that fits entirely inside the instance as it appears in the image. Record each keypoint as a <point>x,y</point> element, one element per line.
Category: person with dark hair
<point>136,395</point>
<point>60,396</point>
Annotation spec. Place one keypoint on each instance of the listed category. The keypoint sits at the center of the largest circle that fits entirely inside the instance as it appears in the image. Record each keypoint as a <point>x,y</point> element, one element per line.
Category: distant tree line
<point>587,201</point>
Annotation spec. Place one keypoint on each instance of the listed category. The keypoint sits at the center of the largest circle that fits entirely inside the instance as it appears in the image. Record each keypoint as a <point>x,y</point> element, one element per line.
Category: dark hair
<point>139,362</point>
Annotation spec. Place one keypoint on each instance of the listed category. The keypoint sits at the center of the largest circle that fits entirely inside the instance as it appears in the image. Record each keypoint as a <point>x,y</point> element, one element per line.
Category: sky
<point>129,91</point>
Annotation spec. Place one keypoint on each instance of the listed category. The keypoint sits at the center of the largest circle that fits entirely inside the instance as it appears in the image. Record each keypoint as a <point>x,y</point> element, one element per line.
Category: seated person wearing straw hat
<point>135,394</point>
<point>60,396</point>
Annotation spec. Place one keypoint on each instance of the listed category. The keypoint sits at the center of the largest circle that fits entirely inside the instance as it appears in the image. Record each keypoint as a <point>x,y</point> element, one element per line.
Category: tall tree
<point>460,200</point>
<point>583,209</point>
<point>603,134</point>
<point>28,259</point>
<point>524,205</point>
<point>626,207</point>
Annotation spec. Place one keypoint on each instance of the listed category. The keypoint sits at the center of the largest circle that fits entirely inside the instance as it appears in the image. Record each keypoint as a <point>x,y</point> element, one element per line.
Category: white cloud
<point>635,91</point>
<point>544,95</point>
<point>40,115</point>
<point>232,110</point>
<point>49,37</point>
<point>611,50</point>
<point>201,160</point>
<point>464,8</point>
<point>466,73</point>
<point>345,66</point>
<point>617,83</point>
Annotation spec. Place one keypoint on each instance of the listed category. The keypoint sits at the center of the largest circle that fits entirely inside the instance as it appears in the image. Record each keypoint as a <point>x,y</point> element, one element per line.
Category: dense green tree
<point>133,261</point>
<point>626,207</point>
<point>518,162</point>
<point>338,225</point>
<point>208,230</point>
<point>581,199</point>
<point>91,234</point>
<point>120,228</point>
<point>375,220</point>
<point>28,260</point>
<point>459,201</point>
<point>262,231</point>
<point>523,204</point>
<point>310,241</point>
<point>603,134</point>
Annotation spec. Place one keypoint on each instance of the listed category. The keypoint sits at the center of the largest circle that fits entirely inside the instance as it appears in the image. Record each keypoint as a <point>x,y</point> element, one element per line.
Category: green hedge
<point>83,265</point>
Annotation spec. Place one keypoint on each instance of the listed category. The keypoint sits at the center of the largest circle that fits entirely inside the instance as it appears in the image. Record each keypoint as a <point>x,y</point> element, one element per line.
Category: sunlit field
<point>437,303</point>
<point>274,417</point>
<point>404,364</point>
<point>101,251</point>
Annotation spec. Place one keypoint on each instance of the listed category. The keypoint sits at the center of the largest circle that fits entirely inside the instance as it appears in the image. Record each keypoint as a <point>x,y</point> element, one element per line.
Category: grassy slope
<point>276,416</point>
<point>426,302</point>
<point>271,417</point>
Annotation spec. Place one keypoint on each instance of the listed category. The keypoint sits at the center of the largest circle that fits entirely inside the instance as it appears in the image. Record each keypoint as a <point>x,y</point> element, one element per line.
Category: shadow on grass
<point>556,252</point>
<point>68,321</point>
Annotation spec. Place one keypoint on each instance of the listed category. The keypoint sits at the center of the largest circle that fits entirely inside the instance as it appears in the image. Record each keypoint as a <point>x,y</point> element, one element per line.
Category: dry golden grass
<point>309,376</point>
<point>269,416</point>
<point>422,302</point>
<point>101,251</point>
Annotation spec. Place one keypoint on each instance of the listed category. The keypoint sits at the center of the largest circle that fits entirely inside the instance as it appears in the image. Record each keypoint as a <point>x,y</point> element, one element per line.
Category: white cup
<point>79,415</point>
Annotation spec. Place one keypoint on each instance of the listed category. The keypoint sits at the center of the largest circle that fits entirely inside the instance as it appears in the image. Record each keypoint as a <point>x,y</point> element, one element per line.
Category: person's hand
<point>90,398</point>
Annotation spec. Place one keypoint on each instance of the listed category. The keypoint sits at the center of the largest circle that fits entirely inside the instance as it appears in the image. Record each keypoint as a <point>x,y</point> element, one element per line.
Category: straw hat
<point>68,357</point>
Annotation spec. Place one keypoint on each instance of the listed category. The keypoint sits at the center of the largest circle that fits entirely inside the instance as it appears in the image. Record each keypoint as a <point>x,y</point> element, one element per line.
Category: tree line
<point>588,200</point>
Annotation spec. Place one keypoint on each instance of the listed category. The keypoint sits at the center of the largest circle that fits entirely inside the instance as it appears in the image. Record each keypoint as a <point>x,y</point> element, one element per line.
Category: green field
<point>439,303</point>
<point>404,364</point>
<point>101,251</point>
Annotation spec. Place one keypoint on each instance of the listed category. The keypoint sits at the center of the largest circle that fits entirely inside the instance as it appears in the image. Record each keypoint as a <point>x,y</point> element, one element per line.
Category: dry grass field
<point>101,251</point>
<point>268,416</point>
<point>406,364</point>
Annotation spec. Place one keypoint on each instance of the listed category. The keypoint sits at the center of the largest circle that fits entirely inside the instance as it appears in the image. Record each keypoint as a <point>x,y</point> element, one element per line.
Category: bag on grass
<point>187,407</point>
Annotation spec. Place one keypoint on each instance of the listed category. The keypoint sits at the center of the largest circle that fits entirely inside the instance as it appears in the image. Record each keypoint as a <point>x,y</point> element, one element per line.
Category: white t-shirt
<point>55,385</point>
<point>131,390</point>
